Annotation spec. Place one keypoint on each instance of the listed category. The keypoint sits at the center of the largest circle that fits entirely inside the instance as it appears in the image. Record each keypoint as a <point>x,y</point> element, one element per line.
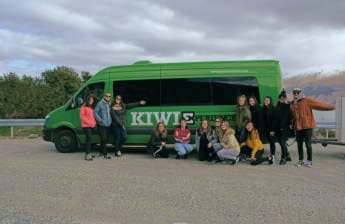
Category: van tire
<point>65,141</point>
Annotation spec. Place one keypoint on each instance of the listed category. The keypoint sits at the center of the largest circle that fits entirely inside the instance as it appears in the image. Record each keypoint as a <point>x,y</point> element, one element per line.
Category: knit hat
<point>282,94</point>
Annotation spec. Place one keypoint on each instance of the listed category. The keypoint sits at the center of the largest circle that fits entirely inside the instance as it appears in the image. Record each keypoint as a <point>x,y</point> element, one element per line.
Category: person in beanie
<point>103,119</point>
<point>283,124</point>
<point>269,119</point>
<point>304,122</point>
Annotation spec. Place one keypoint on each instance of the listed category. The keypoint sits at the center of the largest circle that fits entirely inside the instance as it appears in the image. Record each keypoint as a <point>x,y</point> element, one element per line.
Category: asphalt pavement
<point>40,185</point>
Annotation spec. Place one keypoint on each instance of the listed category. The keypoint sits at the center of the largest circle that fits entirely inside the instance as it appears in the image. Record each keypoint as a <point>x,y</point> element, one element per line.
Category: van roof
<point>149,66</point>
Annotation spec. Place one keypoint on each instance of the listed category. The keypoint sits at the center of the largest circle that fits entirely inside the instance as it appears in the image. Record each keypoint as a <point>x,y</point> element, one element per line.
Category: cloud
<point>89,35</point>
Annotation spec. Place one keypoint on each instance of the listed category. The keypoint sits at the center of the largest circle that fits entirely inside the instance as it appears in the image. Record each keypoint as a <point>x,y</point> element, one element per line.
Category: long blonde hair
<point>164,133</point>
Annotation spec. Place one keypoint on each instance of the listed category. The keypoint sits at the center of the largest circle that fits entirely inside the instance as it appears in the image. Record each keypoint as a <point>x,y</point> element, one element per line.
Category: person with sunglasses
<point>304,122</point>
<point>118,115</point>
<point>103,119</point>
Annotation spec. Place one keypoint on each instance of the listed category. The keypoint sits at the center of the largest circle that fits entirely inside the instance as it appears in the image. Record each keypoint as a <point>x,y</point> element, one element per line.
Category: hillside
<point>323,87</point>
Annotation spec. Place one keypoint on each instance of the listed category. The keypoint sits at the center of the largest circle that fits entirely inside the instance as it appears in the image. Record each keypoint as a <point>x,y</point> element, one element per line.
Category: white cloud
<point>92,35</point>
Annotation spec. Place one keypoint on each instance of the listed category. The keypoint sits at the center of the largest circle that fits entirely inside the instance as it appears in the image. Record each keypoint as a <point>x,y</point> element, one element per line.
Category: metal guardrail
<point>326,124</point>
<point>20,122</point>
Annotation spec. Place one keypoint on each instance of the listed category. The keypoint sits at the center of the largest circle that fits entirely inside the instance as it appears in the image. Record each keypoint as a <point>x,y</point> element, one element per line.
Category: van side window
<point>226,90</point>
<point>136,90</point>
<point>96,89</point>
<point>194,91</point>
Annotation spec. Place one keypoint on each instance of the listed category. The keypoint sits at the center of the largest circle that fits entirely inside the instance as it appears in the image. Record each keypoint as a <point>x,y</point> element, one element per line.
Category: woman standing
<point>256,112</point>
<point>158,141</point>
<point>268,113</point>
<point>254,145</point>
<point>231,148</point>
<point>243,116</point>
<point>283,124</point>
<point>204,139</point>
<point>118,116</point>
<point>88,123</point>
<point>182,138</point>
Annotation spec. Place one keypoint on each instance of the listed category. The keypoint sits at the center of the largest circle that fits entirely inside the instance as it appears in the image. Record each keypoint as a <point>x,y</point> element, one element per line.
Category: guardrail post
<point>12,132</point>
<point>326,133</point>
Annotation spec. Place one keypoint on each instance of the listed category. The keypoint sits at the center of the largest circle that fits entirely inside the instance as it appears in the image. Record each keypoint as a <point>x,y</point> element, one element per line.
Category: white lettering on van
<point>149,122</point>
<point>138,118</point>
<point>160,116</point>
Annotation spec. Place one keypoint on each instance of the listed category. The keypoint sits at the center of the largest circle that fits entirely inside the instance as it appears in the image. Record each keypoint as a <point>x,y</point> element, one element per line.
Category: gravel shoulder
<point>40,185</point>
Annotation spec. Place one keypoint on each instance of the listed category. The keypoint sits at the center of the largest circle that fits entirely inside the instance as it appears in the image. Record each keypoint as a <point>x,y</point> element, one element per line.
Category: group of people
<point>254,127</point>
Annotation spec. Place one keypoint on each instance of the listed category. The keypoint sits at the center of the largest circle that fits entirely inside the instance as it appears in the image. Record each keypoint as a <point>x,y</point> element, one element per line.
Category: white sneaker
<point>118,153</point>
<point>299,163</point>
<point>273,158</point>
<point>308,163</point>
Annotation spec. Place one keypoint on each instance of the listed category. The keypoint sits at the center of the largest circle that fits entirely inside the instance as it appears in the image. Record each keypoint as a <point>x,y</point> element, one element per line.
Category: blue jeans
<point>120,138</point>
<point>183,148</point>
<point>217,146</point>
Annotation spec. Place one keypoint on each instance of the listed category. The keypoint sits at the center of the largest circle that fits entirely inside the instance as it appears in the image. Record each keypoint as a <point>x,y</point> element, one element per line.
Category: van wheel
<point>65,141</point>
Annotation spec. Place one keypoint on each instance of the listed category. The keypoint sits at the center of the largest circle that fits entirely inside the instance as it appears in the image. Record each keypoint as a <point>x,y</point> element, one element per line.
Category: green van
<point>195,91</point>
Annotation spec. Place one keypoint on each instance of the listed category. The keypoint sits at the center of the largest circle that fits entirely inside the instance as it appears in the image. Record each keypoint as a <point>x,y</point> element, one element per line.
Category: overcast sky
<point>304,35</point>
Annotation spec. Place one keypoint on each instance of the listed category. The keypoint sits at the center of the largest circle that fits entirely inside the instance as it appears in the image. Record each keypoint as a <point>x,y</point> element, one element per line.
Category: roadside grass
<point>20,132</point>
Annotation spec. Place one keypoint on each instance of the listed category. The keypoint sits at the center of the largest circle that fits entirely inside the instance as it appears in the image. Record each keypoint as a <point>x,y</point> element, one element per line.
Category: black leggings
<point>164,153</point>
<point>88,134</point>
<point>301,137</point>
<point>259,158</point>
<point>204,153</point>
<point>272,141</point>
<point>103,134</point>
<point>282,136</point>
<point>120,137</point>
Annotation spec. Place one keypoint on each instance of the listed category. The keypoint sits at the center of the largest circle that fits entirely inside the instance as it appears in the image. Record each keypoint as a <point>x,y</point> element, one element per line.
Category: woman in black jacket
<point>118,113</point>
<point>157,144</point>
<point>256,112</point>
<point>283,124</point>
<point>268,114</point>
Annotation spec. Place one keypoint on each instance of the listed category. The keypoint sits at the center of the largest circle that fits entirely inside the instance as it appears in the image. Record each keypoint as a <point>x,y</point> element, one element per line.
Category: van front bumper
<point>48,134</point>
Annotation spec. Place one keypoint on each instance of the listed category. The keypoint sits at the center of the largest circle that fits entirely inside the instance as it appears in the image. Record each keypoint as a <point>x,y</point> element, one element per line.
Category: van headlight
<point>46,119</point>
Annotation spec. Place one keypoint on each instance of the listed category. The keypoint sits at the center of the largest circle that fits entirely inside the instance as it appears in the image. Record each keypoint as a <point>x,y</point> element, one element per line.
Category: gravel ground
<point>40,185</point>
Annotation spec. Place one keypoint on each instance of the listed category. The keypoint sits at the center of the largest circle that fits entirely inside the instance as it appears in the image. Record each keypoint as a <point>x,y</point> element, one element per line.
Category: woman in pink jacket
<point>88,123</point>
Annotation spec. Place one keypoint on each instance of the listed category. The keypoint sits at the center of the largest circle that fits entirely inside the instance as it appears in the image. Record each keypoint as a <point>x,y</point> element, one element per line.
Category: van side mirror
<point>73,103</point>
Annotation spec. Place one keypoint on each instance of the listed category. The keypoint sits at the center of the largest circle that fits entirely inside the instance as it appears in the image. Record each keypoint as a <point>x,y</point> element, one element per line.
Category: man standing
<point>103,119</point>
<point>304,122</point>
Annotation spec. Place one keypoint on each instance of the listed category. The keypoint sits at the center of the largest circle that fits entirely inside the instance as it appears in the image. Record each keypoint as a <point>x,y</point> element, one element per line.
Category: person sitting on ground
<point>182,138</point>
<point>204,138</point>
<point>254,145</point>
<point>158,141</point>
<point>231,148</point>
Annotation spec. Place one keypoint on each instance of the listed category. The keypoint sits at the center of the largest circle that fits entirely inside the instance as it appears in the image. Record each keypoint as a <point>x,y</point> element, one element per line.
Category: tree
<point>85,76</point>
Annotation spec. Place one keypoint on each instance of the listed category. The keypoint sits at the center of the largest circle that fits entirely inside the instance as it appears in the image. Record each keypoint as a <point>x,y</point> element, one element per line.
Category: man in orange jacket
<point>304,122</point>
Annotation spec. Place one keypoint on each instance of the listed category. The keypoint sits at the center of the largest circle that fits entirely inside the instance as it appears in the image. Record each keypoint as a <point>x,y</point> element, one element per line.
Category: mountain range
<point>324,87</point>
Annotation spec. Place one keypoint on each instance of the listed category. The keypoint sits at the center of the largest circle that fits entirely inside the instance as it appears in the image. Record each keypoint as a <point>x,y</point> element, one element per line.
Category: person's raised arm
<point>318,105</point>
